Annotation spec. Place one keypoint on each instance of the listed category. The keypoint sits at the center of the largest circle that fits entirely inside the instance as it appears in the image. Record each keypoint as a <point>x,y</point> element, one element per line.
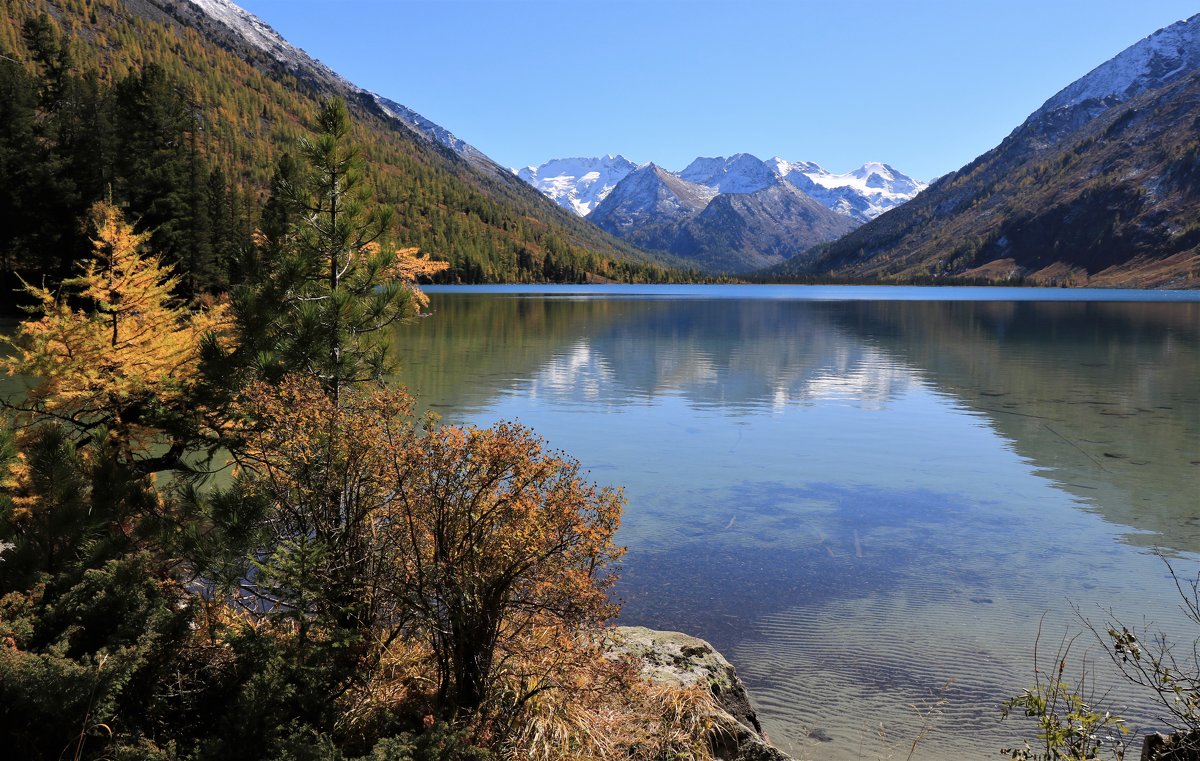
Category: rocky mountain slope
<point>742,231</point>
<point>1099,186</point>
<point>646,206</point>
<point>764,222</point>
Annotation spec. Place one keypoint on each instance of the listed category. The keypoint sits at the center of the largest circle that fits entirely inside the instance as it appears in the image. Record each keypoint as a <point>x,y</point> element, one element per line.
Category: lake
<point>868,499</point>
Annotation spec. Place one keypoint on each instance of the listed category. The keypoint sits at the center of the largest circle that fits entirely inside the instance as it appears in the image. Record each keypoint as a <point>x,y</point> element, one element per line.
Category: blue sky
<point>924,85</point>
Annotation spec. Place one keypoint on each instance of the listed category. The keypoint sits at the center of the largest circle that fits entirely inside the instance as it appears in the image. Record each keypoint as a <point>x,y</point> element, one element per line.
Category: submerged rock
<point>680,660</point>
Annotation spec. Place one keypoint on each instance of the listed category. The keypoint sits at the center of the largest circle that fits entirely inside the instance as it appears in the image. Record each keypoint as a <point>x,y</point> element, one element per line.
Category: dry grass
<point>636,720</point>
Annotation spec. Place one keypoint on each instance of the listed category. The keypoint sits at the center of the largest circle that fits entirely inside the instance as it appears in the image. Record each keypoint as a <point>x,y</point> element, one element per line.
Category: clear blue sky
<point>923,85</point>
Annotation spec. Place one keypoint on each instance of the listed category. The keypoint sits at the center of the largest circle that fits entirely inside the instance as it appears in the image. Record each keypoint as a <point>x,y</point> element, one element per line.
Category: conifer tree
<point>121,368</point>
<point>333,288</point>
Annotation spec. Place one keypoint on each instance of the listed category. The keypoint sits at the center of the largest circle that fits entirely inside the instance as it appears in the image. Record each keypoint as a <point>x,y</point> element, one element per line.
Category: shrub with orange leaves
<point>322,468</point>
<point>460,538</point>
<point>497,536</point>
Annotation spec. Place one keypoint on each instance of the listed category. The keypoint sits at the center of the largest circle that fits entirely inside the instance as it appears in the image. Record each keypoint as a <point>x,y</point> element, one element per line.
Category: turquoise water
<point>867,498</point>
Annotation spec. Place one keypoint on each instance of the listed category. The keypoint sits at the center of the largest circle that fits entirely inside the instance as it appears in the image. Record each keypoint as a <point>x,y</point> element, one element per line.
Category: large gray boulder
<point>680,660</point>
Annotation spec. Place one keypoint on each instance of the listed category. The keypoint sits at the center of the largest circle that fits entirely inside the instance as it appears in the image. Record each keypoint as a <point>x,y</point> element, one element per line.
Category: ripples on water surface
<point>867,499</point>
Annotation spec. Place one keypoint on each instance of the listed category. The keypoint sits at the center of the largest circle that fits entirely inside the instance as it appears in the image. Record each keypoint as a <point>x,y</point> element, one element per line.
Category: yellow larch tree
<point>112,351</point>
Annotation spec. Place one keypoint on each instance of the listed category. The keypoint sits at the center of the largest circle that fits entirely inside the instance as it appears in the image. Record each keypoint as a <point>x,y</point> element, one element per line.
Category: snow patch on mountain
<point>578,184</point>
<point>652,188</point>
<point>1156,60</point>
<point>259,34</point>
<point>421,124</point>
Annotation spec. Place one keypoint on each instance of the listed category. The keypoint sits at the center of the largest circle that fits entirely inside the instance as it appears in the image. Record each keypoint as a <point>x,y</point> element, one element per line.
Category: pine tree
<point>333,288</point>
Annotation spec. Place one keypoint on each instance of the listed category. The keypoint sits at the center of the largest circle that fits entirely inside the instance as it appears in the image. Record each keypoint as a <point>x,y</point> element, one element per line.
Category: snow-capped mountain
<point>861,194</point>
<point>740,173</point>
<point>719,232</point>
<point>1155,61</point>
<point>1094,188</point>
<point>578,184</point>
<point>1159,59</point>
<point>646,203</point>
<point>255,31</point>
<point>260,35</point>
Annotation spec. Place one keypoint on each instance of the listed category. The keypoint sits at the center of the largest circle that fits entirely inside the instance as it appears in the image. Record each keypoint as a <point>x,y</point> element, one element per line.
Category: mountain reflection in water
<point>858,501</point>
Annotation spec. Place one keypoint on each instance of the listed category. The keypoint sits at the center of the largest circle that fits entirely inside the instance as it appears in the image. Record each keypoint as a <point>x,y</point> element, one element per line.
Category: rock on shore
<point>677,659</point>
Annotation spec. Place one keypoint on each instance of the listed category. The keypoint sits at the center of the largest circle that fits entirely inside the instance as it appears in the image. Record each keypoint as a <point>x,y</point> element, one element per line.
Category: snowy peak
<point>741,173</point>
<point>881,177</point>
<point>578,184</point>
<point>258,34</point>
<point>652,188</point>
<point>647,207</point>
<point>783,168</point>
<point>1157,60</point>
<point>583,184</point>
<point>421,124</point>
<point>718,231</point>
<point>862,194</point>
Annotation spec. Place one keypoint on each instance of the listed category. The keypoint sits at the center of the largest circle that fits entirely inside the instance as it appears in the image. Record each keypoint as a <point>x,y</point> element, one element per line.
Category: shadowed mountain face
<point>717,231</point>
<point>1101,186</point>
<point>647,207</point>
<point>743,231</point>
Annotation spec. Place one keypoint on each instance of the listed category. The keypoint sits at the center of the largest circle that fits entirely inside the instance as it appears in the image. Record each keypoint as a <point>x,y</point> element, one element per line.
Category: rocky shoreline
<point>676,659</point>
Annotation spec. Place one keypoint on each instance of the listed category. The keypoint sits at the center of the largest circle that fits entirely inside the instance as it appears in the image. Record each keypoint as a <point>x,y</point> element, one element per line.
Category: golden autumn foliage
<point>499,537</point>
<point>112,347</point>
<point>321,468</point>
<point>409,267</point>
<point>474,543</point>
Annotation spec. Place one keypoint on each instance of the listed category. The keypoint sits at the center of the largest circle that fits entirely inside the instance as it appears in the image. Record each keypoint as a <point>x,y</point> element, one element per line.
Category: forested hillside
<point>1100,190</point>
<point>157,106</point>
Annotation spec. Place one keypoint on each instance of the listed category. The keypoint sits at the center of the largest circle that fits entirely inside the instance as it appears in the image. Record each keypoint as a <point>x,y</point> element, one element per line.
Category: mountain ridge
<point>578,183</point>
<point>1085,191</point>
<point>862,193</point>
<point>256,97</point>
<point>719,232</point>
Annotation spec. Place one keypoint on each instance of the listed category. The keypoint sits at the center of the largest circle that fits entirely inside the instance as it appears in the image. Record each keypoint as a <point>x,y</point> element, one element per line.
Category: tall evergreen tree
<point>333,288</point>
<point>152,159</point>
